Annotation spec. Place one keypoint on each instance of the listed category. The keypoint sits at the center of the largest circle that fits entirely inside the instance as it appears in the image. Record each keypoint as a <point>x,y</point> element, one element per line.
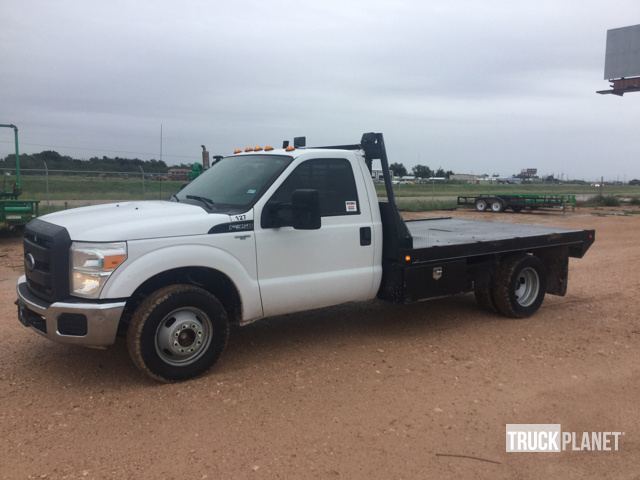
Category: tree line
<point>56,161</point>
<point>419,171</point>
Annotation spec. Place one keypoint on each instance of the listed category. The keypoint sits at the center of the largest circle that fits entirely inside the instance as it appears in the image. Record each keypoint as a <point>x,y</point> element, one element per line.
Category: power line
<point>95,149</point>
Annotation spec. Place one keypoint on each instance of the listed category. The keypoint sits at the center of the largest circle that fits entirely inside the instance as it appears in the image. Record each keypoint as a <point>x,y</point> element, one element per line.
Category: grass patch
<point>602,201</point>
<point>93,187</point>
<point>455,189</point>
<point>423,205</point>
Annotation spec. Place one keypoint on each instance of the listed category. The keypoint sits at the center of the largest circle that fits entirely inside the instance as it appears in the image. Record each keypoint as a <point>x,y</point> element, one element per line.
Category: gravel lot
<point>356,391</point>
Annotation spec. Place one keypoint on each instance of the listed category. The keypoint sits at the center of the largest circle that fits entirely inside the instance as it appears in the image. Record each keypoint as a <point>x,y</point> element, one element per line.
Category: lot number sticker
<point>351,206</point>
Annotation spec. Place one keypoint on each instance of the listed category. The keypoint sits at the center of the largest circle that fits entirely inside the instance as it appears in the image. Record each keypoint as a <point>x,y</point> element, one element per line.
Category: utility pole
<point>46,179</point>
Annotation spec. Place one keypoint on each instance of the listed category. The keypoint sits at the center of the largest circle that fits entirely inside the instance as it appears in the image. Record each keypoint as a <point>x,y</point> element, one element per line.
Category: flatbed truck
<point>267,232</point>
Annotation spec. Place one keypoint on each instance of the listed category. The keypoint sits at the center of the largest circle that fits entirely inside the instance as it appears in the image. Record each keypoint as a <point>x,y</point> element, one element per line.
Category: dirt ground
<point>355,391</point>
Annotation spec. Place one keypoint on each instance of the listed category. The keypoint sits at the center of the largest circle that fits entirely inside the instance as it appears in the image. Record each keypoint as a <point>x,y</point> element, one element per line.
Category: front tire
<point>177,332</point>
<point>520,286</point>
<point>481,205</point>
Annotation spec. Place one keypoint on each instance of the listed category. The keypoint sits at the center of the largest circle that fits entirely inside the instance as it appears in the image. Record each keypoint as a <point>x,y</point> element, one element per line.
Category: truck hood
<point>135,220</point>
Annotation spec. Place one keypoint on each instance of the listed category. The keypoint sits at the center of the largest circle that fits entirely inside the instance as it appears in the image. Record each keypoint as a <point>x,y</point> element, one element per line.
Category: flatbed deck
<point>448,238</point>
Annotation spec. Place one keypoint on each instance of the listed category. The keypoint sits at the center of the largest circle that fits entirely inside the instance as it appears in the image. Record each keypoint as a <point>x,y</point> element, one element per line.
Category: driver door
<point>306,269</point>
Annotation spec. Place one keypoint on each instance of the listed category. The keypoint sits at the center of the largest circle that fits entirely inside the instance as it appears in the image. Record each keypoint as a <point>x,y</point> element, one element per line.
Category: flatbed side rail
<point>578,243</point>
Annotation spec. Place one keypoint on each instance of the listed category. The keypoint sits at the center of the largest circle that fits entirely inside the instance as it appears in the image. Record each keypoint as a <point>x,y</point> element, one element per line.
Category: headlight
<point>92,264</point>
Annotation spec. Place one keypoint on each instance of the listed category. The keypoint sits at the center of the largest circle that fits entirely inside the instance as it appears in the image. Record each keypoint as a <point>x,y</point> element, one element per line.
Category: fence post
<point>46,179</point>
<point>143,190</point>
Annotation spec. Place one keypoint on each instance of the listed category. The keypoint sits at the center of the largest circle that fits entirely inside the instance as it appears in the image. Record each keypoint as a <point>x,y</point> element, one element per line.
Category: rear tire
<point>484,298</point>
<point>177,332</point>
<point>520,286</point>
<point>481,205</point>
<point>497,206</point>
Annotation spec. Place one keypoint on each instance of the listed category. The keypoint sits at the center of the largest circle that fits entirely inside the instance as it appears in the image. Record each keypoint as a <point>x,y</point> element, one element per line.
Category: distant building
<point>528,173</point>
<point>378,175</point>
<point>408,179</point>
<point>178,173</point>
<point>464,177</point>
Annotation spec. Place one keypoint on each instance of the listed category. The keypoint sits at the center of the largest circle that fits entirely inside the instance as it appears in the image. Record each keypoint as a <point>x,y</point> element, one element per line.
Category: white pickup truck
<point>266,232</point>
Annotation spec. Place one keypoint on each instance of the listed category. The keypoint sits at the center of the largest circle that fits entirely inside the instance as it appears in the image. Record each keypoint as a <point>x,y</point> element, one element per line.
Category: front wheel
<point>177,332</point>
<point>481,205</point>
<point>520,286</point>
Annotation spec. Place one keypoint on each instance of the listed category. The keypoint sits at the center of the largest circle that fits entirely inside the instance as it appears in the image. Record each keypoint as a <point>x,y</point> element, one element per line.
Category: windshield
<point>234,183</point>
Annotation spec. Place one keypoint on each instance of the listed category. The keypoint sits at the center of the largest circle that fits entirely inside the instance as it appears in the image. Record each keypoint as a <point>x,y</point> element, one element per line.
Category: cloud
<point>494,86</point>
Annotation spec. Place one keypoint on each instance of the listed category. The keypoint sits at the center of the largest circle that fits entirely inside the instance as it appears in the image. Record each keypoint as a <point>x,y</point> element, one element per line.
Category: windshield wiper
<point>207,201</point>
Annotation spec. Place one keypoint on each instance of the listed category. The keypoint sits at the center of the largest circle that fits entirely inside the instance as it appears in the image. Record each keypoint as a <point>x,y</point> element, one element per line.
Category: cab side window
<point>331,177</point>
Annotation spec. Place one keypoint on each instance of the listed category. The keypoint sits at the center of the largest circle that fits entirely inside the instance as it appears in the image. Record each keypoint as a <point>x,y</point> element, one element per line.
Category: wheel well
<point>211,280</point>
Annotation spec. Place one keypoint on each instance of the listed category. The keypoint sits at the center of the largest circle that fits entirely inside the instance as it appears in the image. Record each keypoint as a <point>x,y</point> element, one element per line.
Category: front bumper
<point>87,323</point>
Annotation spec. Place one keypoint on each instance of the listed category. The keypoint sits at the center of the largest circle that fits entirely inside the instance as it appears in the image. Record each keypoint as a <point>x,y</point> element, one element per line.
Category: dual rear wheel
<point>517,288</point>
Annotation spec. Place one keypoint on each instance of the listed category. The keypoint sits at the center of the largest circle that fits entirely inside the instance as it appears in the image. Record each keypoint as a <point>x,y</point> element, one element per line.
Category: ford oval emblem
<point>29,262</point>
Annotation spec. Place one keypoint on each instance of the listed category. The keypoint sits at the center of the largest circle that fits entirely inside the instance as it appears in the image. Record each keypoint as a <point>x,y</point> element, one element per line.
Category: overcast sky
<point>491,86</point>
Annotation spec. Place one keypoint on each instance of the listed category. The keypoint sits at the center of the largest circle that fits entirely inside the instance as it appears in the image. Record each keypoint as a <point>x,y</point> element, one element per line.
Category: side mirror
<point>305,206</point>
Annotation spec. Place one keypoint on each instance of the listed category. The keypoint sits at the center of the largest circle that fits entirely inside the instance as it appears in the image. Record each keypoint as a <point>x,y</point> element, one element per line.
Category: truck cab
<point>264,232</point>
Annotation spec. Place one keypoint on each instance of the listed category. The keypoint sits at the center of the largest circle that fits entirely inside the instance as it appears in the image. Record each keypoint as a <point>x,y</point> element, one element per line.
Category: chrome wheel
<point>481,205</point>
<point>496,206</point>
<point>527,286</point>
<point>183,336</point>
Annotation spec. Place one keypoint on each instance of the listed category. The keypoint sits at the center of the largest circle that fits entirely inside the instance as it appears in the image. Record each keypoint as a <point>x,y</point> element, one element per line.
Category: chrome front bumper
<point>102,319</point>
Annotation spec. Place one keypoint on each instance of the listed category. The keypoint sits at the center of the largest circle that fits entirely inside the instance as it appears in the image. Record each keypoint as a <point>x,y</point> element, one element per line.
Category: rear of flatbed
<point>449,256</point>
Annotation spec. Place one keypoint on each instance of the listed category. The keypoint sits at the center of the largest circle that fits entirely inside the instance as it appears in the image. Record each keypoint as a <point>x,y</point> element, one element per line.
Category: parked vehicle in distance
<point>266,232</point>
<point>516,202</point>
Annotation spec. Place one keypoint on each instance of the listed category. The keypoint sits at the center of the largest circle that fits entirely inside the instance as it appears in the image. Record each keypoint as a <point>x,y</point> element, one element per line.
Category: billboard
<point>622,58</point>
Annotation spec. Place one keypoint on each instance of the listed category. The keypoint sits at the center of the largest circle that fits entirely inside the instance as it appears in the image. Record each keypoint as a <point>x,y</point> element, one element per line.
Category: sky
<point>473,87</point>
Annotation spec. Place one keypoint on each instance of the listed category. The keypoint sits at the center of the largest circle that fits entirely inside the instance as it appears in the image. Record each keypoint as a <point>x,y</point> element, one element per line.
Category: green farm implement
<point>14,212</point>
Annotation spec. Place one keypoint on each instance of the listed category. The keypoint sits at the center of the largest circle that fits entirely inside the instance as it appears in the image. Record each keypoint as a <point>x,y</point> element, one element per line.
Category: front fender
<point>141,266</point>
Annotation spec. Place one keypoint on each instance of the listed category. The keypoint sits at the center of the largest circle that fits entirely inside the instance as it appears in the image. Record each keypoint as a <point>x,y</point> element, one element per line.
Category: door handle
<point>365,236</point>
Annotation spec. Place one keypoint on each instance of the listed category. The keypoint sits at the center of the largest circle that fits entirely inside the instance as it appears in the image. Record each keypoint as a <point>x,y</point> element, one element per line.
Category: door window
<point>331,177</point>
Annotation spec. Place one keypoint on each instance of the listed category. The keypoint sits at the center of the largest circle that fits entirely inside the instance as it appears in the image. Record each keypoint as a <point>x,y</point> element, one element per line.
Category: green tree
<point>398,169</point>
<point>422,171</point>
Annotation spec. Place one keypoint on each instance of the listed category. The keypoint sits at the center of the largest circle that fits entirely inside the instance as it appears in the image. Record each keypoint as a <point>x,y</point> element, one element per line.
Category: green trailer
<point>517,202</point>
<point>14,212</point>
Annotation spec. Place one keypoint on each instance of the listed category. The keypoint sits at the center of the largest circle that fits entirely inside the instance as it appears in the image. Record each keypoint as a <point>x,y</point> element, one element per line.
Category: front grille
<point>46,255</point>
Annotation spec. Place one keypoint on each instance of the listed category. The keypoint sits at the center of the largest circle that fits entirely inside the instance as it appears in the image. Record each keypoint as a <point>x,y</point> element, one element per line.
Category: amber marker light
<point>290,148</point>
<point>237,151</point>
<point>248,149</point>
<point>110,262</point>
<point>257,148</point>
<point>407,258</point>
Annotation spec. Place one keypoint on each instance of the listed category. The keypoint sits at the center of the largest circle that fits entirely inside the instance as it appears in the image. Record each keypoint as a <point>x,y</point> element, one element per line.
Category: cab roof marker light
<point>237,151</point>
<point>268,148</point>
<point>258,148</point>
<point>290,148</point>
<point>248,149</point>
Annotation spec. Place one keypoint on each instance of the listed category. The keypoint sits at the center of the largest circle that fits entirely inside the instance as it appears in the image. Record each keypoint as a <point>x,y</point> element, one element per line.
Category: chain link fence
<point>58,189</point>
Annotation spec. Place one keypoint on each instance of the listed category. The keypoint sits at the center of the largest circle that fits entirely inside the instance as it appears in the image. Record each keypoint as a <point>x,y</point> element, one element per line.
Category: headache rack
<point>396,234</point>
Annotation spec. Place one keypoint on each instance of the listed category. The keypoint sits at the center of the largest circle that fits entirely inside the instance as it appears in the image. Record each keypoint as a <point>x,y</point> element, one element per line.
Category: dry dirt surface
<point>356,391</point>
